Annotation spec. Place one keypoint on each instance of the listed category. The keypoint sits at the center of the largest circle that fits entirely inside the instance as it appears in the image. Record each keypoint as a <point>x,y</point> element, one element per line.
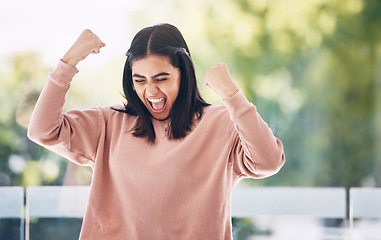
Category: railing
<point>365,213</point>
<point>274,212</point>
<point>12,212</point>
<point>293,212</point>
<point>55,202</point>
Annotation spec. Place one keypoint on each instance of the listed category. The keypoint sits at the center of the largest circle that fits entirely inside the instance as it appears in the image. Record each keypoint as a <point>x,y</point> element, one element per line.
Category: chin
<point>160,117</point>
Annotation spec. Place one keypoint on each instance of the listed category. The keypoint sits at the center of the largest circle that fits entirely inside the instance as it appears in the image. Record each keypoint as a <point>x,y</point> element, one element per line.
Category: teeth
<point>155,100</point>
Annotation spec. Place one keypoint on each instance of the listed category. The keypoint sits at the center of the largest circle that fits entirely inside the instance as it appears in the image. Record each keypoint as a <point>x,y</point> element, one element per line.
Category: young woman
<point>164,164</point>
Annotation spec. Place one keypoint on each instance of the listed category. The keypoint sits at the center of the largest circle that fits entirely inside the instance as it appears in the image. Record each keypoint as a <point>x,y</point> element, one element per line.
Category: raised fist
<point>86,44</point>
<point>218,78</point>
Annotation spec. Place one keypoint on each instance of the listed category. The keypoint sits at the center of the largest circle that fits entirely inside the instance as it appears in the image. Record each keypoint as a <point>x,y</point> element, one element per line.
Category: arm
<point>74,134</point>
<point>256,151</point>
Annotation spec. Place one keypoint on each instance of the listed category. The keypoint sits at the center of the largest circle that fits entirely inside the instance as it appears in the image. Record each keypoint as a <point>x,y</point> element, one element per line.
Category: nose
<point>152,89</point>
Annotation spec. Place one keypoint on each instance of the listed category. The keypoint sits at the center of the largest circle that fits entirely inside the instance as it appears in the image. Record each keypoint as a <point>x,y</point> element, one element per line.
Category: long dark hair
<point>163,40</point>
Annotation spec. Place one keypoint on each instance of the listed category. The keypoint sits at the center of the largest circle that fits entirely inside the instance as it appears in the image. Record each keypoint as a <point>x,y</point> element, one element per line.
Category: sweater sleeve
<point>257,153</point>
<point>73,135</point>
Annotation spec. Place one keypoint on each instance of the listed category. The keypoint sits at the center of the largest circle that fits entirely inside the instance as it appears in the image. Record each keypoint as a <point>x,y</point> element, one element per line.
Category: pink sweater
<point>172,189</point>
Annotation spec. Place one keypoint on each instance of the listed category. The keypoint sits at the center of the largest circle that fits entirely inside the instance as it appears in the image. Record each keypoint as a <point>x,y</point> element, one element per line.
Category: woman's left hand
<point>218,78</point>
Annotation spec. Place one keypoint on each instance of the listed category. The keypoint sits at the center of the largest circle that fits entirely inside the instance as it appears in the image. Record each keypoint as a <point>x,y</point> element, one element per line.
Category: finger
<point>96,49</point>
<point>100,43</point>
<point>206,79</point>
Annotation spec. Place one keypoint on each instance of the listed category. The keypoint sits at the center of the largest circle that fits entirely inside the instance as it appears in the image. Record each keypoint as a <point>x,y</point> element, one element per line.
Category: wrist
<point>229,92</point>
<point>70,60</point>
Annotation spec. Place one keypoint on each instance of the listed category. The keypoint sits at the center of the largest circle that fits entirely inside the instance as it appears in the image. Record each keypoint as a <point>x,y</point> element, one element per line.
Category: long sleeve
<point>74,134</point>
<point>257,152</point>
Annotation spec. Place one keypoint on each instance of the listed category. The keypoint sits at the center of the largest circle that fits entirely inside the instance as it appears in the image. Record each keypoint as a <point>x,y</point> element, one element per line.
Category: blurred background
<point>312,68</point>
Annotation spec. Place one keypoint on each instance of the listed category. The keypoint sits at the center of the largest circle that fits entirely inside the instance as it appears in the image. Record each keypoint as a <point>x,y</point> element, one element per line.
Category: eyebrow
<point>154,76</point>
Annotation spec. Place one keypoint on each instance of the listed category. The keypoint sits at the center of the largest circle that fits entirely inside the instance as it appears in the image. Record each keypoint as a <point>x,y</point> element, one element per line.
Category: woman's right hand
<point>86,44</point>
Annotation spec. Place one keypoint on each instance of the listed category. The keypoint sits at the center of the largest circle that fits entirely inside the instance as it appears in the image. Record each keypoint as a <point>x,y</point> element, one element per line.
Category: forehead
<point>152,64</point>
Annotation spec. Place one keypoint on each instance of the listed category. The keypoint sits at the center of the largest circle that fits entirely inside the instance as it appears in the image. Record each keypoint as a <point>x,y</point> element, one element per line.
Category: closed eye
<point>138,78</point>
<point>161,79</point>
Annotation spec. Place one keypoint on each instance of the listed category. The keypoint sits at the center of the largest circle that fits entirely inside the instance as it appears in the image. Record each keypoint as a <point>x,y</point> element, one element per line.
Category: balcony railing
<point>258,212</point>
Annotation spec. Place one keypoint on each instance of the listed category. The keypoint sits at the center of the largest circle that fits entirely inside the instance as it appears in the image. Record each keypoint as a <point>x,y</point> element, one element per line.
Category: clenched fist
<point>86,44</point>
<point>218,78</point>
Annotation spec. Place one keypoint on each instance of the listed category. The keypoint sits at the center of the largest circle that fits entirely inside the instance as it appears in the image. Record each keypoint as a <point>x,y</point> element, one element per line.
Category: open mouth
<point>157,104</point>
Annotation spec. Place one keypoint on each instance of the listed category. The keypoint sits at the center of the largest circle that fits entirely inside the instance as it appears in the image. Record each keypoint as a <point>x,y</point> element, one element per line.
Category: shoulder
<point>215,110</point>
<point>115,117</point>
<point>215,125</point>
<point>111,111</point>
<point>216,115</point>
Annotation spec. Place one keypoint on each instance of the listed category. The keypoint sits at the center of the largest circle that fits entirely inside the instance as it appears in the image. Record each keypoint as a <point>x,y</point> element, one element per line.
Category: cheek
<point>172,92</point>
<point>174,88</point>
<point>140,92</point>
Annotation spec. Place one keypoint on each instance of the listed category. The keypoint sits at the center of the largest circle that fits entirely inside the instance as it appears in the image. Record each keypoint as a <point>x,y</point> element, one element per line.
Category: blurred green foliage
<point>22,80</point>
<point>22,162</point>
<point>312,69</point>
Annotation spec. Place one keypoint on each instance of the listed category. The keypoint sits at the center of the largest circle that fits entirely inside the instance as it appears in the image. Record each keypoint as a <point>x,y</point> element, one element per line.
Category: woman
<point>165,163</point>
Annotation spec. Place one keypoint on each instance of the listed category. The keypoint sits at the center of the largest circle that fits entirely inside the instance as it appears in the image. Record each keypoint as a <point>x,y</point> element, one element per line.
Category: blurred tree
<point>349,99</point>
<point>15,149</point>
<point>23,162</point>
<point>311,68</point>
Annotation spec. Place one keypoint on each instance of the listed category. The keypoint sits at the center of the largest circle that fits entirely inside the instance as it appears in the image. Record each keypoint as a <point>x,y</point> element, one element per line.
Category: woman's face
<point>156,83</point>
